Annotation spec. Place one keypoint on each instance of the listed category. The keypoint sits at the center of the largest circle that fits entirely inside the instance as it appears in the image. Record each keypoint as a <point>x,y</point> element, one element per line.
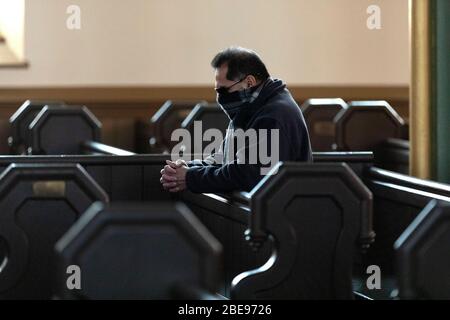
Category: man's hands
<point>173,176</point>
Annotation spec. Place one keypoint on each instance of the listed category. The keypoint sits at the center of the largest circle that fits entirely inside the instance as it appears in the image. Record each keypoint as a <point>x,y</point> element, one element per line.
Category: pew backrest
<point>422,254</point>
<point>319,115</point>
<point>168,118</point>
<point>364,125</point>
<point>315,215</point>
<point>63,130</point>
<point>20,121</point>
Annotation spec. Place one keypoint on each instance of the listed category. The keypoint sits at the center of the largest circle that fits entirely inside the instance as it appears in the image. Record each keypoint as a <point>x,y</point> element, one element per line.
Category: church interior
<point>92,92</point>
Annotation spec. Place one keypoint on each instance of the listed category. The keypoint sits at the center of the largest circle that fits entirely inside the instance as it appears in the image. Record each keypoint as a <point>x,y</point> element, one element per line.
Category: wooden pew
<point>38,204</point>
<point>136,178</point>
<point>97,148</point>
<point>21,119</point>
<point>364,125</point>
<point>229,217</point>
<point>397,199</point>
<point>56,128</point>
<point>422,255</point>
<point>128,178</point>
<point>393,154</point>
<point>168,118</point>
<point>52,128</point>
<point>202,118</point>
<point>319,115</point>
<point>137,251</point>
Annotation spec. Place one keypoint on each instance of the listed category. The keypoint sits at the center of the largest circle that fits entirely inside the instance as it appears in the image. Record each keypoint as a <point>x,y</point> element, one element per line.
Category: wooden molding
<point>14,65</point>
<point>146,94</point>
<point>142,102</point>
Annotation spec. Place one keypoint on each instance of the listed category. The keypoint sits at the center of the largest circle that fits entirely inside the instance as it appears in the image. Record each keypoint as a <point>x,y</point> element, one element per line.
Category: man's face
<point>222,81</point>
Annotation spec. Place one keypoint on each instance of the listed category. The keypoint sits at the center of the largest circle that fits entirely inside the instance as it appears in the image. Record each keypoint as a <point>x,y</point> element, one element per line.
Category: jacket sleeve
<point>240,174</point>
<point>214,159</point>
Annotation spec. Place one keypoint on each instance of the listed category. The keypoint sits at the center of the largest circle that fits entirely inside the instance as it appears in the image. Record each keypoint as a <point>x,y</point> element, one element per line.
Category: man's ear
<point>251,81</point>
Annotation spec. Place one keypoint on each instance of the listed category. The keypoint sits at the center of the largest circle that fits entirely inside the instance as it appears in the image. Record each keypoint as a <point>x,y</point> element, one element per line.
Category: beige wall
<point>12,25</point>
<point>171,42</point>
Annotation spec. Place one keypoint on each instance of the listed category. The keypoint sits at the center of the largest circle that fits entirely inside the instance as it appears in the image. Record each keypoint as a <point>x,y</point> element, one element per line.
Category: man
<point>253,101</point>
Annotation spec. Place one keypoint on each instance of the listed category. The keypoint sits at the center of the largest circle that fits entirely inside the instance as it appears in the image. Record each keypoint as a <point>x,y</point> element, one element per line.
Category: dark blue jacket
<point>274,108</point>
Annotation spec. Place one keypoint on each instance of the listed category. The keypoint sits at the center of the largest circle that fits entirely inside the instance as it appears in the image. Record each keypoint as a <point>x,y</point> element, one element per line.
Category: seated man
<point>255,103</point>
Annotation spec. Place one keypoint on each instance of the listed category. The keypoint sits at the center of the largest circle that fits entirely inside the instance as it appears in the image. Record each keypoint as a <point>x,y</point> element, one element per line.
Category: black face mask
<point>231,101</point>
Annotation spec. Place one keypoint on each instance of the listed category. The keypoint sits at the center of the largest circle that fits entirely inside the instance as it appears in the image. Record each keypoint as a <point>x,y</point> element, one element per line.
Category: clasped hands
<point>173,176</point>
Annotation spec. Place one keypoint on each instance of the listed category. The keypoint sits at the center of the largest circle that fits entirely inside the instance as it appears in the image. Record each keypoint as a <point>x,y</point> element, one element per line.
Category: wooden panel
<point>121,108</point>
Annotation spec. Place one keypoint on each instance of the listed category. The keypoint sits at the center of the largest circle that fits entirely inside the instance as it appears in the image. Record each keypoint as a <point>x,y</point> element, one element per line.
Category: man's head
<point>238,68</point>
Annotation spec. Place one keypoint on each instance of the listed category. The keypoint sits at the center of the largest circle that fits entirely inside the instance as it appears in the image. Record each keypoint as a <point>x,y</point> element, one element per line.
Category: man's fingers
<point>170,185</point>
<point>171,164</point>
<point>177,164</point>
<point>169,178</point>
<point>168,169</point>
<point>180,163</point>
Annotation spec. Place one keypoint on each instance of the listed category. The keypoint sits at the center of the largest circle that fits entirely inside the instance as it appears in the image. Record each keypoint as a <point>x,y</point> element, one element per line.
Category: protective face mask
<point>231,101</point>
